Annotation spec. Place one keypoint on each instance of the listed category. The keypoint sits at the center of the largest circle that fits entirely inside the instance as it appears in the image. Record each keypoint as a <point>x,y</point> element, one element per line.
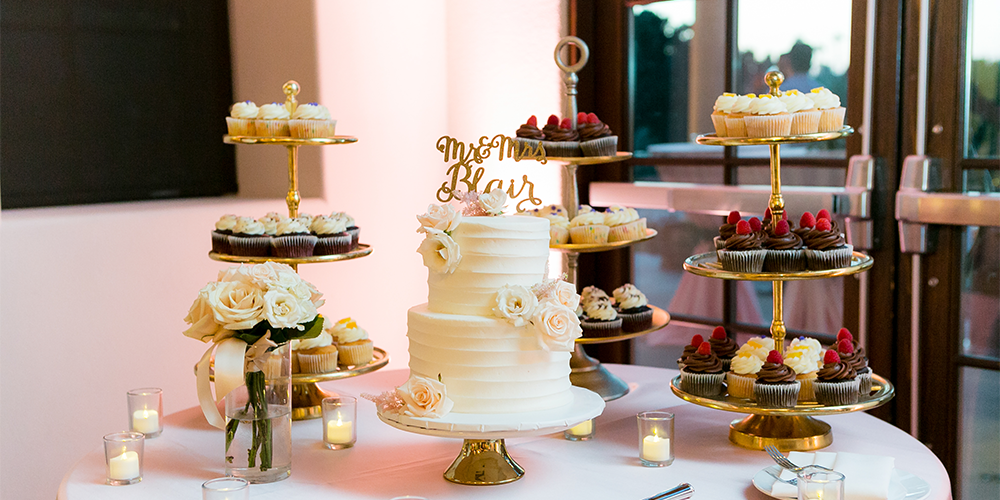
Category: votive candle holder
<point>816,484</point>
<point>226,488</point>
<point>656,438</point>
<point>123,457</point>
<point>339,416</point>
<point>145,411</point>
<point>584,431</point>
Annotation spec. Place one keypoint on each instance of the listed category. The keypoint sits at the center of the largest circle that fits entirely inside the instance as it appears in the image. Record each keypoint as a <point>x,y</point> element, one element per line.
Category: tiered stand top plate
<point>660,320</point>
<point>883,391</point>
<point>707,264</point>
<point>289,141</point>
<point>361,251</point>
<point>591,160</point>
<point>714,140</point>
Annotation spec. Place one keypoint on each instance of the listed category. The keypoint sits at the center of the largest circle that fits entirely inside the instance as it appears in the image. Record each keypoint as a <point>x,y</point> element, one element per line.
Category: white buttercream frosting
<point>592,293</point>
<point>746,363</point>
<point>823,98</point>
<point>273,111</point>
<point>290,226</point>
<point>311,111</point>
<point>226,222</point>
<point>600,309</point>
<point>800,361</point>
<point>343,215</point>
<point>618,215</point>
<point>742,104</point>
<point>767,105</point>
<point>588,219</point>
<point>759,346</point>
<point>322,340</point>
<point>347,331</point>
<point>322,224</point>
<point>725,102</point>
<point>796,101</point>
<point>248,225</point>
<point>628,296</point>
<point>244,110</point>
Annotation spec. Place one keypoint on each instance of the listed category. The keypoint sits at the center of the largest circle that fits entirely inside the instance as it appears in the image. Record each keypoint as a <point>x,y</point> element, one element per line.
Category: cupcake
<point>241,118</point>
<point>592,293</point>
<point>758,229</point>
<point>561,141</point>
<point>836,383</point>
<point>220,235</point>
<point>723,104</point>
<point>248,238</point>
<point>727,230</point>
<point>735,126</point>
<point>316,355</point>
<point>826,248</point>
<point>743,252</point>
<point>270,222</point>
<point>805,116</point>
<point>860,364</point>
<point>624,224</point>
<point>596,138</point>
<point>311,120</point>
<point>758,346</point>
<point>353,345</point>
<point>844,333</point>
<point>589,228</point>
<point>558,223</point>
<point>832,118</point>
<point>331,234</point>
<point>806,224</point>
<point>824,214</point>
<point>352,227</point>
<point>529,133</point>
<point>742,374</point>
<point>600,319</point>
<point>689,350</point>
<point>703,372</point>
<point>292,239</point>
<point>783,250</point>
<point>272,121</point>
<point>811,346</point>
<point>723,346</point>
<point>633,309</point>
<point>768,117</point>
<point>804,364</point>
<point>776,386</point>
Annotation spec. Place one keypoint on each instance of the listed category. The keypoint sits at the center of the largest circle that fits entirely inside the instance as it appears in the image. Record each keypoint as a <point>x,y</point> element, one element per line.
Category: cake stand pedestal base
<point>588,373</point>
<point>787,433</point>
<point>483,462</point>
<point>307,399</point>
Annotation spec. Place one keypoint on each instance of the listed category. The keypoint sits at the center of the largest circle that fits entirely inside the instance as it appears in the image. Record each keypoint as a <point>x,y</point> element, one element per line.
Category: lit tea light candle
<point>655,448</point>
<point>124,466</point>
<point>146,421</point>
<point>582,429</point>
<point>339,432</point>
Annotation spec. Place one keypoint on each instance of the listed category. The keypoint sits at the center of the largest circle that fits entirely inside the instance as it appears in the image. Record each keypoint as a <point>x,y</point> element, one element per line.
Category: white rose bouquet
<point>549,306</point>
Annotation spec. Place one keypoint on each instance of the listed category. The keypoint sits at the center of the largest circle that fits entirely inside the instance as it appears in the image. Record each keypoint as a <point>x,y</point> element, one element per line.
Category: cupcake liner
<point>768,125</point>
<point>865,383</point>
<point>603,146</point>
<point>836,393</point>
<point>599,328</point>
<point>318,363</point>
<point>806,122</point>
<point>727,363</point>
<point>719,121</point>
<point>818,260</point>
<point>272,128</point>
<point>719,242</point>
<point>331,244</point>
<point>241,126</point>
<point>740,386</point>
<point>735,126</point>
<point>742,261</point>
<point>523,142</point>
<point>776,395</point>
<point>627,232</point>
<point>806,392</point>
<point>312,128</point>
<point>293,245</point>
<point>784,261</point>
<point>355,233</point>
<point>597,234</point>
<point>558,235</point>
<point>636,321</point>
<point>832,120</point>
<point>220,242</point>
<point>562,149</point>
<point>250,246</point>
<point>356,354</point>
<point>701,384</point>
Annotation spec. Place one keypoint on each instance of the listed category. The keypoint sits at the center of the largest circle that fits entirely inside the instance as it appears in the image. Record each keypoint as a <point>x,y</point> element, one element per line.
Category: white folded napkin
<point>866,477</point>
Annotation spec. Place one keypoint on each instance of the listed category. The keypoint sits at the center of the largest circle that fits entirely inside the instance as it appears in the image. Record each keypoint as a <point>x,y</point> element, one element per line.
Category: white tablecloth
<point>387,462</point>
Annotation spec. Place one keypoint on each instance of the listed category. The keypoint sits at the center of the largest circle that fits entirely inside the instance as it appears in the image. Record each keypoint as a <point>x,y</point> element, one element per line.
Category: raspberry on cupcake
<point>703,372</point>
<point>529,133</point>
<point>727,230</point>
<point>860,364</point>
<point>806,224</point>
<point>723,346</point>
<point>596,138</point>
<point>689,350</point>
<point>562,141</point>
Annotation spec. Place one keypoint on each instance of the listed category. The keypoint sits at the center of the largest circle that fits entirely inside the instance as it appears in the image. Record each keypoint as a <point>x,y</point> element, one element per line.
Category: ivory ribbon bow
<point>230,366</point>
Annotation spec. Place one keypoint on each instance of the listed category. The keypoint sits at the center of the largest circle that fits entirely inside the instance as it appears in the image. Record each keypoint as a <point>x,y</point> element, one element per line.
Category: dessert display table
<point>387,462</point>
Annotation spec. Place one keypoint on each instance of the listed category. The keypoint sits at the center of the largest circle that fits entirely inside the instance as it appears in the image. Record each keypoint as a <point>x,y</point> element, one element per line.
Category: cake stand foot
<point>787,433</point>
<point>307,400</point>
<point>588,373</point>
<point>483,462</point>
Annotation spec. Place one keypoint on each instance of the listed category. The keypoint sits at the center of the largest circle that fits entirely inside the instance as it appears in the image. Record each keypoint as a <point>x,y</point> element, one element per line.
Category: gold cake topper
<point>465,155</point>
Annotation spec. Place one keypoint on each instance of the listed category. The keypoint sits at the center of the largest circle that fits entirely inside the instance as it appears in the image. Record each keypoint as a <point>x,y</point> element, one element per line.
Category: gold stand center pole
<point>778,319</point>
<point>483,462</point>
<point>292,198</point>
<point>776,203</point>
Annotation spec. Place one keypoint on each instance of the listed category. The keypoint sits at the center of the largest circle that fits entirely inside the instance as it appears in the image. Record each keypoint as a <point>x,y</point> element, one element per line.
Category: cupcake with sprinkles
<point>633,309</point>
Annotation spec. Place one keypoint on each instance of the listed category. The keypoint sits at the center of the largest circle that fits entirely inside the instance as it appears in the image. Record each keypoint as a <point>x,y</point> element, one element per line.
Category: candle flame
<point>339,423</point>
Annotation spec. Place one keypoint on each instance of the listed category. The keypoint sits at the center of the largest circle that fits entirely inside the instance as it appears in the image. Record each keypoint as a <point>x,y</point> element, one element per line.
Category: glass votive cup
<point>584,431</point>
<point>145,411</point>
<point>339,416</point>
<point>225,488</point>
<point>656,438</point>
<point>123,457</point>
<point>820,484</point>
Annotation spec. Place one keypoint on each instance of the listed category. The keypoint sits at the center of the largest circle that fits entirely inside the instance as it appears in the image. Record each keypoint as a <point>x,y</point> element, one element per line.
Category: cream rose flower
<point>565,294</point>
<point>557,325</point>
<point>493,202</point>
<point>441,253</point>
<point>202,319</point>
<point>282,309</point>
<point>516,304</point>
<point>425,397</point>
<point>237,305</point>
<point>440,217</point>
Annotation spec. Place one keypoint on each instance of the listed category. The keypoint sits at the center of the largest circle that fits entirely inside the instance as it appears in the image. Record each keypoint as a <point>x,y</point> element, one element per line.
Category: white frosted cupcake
<point>805,116</point>
<point>832,118</point>
<point>768,117</point>
<point>600,319</point>
<point>241,118</point>
<point>332,235</point>
<point>759,346</point>
<point>804,364</point>
<point>633,308</point>
<point>316,355</point>
<point>558,223</point>
<point>742,374</point>
<point>353,343</point>
<point>735,126</point>
<point>311,120</point>
<point>352,227</point>
<point>721,109</point>
<point>624,224</point>
<point>272,121</point>
<point>220,235</point>
<point>589,228</point>
<point>292,239</point>
<point>249,238</point>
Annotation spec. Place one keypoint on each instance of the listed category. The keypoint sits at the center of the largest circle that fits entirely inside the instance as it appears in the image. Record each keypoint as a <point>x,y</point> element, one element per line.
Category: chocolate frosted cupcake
<point>331,234</point>
<point>836,383</point>
<point>292,239</point>
<point>220,235</point>
<point>727,230</point>
<point>561,141</point>
<point>806,224</point>
<point>689,350</point>
<point>633,309</point>
<point>530,134</point>
<point>249,239</point>
<point>600,319</point>
<point>703,372</point>
<point>860,364</point>
<point>776,386</point>
<point>844,333</point>
<point>596,138</point>
<point>742,374</point>
<point>826,248</point>
<point>824,214</point>
<point>743,252</point>
<point>784,250</point>
<point>723,346</point>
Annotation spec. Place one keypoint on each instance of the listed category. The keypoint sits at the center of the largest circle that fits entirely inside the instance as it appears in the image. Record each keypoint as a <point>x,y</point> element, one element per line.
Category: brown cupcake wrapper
<point>636,322</point>
<point>740,386</point>
<point>837,393</point>
<point>742,261</point>
<point>355,233</point>
<point>220,243</point>
<point>332,244</point>
<point>776,395</point>
<point>865,383</point>
<point>603,146</point>
<point>818,260</point>
<point>562,149</point>
<point>294,245</point>
<point>784,261</point>
<point>594,328</point>
<point>702,384</point>
<point>250,246</point>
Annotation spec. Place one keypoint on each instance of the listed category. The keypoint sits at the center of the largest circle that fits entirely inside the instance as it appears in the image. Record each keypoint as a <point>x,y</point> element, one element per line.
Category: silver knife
<point>682,491</point>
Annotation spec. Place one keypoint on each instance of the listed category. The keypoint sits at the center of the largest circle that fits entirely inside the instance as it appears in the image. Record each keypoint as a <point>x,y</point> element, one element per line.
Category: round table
<point>387,462</point>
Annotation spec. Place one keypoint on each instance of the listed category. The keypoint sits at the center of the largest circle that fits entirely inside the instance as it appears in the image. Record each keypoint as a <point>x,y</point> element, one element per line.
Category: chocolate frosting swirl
<point>549,129</point>
<point>590,131</point>
<point>773,373</point>
<point>802,232</point>
<point>530,132</point>
<point>705,363</point>
<point>727,230</point>
<point>836,372</point>
<point>824,240</point>
<point>787,241</point>
<point>856,360</point>
<point>743,242</point>
<point>562,135</point>
<point>724,348</point>
<point>688,351</point>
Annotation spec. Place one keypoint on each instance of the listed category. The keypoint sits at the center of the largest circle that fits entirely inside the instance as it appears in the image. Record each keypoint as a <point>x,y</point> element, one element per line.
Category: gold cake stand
<point>787,428</point>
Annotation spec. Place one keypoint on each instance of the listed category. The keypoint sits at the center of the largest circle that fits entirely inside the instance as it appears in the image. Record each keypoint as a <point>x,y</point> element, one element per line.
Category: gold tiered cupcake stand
<point>306,395</point>
<point>786,428</point>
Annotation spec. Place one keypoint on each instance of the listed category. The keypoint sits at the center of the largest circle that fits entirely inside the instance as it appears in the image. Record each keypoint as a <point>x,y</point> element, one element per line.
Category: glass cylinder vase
<point>259,421</point>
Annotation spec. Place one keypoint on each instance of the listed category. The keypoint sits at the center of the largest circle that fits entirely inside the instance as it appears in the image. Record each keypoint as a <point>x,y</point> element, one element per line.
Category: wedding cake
<point>494,336</point>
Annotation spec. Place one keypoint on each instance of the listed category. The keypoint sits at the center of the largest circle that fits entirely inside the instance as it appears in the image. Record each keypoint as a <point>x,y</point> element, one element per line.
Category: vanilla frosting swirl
<point>592,293</point>
<point>600,309</point>
<point>628,297</point>
<point>823,98</point>
<point>746,363</point>
<point>311,111</point>
<point>800,361</point>
<point>556,220</point>
<point>724,102</point>
<point>244,110</point>
<point>346,332</point>
<point>759,346</point>
<point>270,225</point>
<point>247,225</point>
<point>291,226</point>
<point>273,111</point>
<point>322,340</point>
<point>588,219</point>
<point>796,101</point>
<point>617,215</point>
<point>343,215</point>
<point>322,224</point>
<point>226,222</point>
<point>767,105</point>
<point>742,104</point>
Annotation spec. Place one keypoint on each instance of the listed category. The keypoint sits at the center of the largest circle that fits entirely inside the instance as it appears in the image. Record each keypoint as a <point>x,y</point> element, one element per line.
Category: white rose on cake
<point>237,305</point>
<point>558,325</point>
<point>565,294</point>
<point>440,217</point>
<point>283,309</point>
<point>441,254</point>
<point>424,397</point>
<point>493,202</point>
<point>516,304</point>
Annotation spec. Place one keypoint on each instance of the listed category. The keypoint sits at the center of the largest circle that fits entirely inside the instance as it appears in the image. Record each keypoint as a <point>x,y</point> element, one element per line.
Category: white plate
<point>902,484</point>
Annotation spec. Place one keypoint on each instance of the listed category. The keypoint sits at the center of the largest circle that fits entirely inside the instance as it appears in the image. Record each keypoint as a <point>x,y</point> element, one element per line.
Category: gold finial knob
<point>291,89</point>
<point>773,80</point>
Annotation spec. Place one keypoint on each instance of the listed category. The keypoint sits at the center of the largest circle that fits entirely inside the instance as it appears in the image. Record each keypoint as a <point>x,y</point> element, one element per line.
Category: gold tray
<point>289,141</point>
<point>713,140</point>
<point>884,391</point>
<point>379,360</point>
<point>591,160</point>
<point>660,320</point>
<point>707,264</point>
<point>362,251</point>
<point>597,247</point>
